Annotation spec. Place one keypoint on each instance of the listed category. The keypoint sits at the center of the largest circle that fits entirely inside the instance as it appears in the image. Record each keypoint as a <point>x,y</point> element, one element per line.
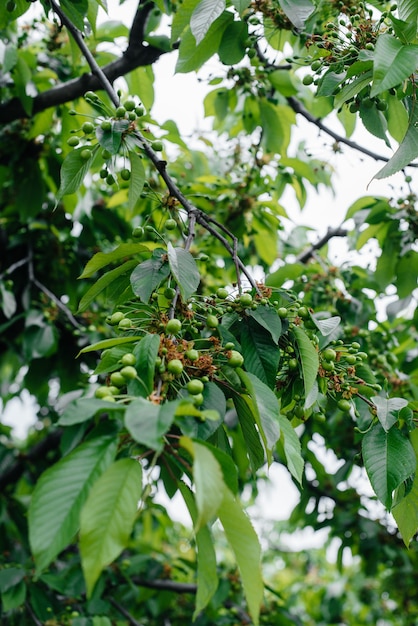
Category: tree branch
<point>136,55</point>
<point>166,585</point>
<point>299,108</point>
<point>123,612</point>
<point>304,257</point>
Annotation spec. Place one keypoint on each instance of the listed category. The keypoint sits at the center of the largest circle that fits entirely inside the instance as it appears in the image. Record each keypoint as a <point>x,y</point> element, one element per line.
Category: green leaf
<point>208,481</point>
<point>192,56</point>
<point>268,319</point>
<point>387,410</point>
<point>292,448</point>
<point>233,43</point>
<point>108,516</point>
<point>149,274</point>
<point>182,17</point>
<point>246,418</point>
<point>206,12</point>
<point>76,11</point>
<point>109,343</point>
<point>148,422</point>
<point>275,125</point>
<point>389,459</point>
<point>60,494</point>
<point>111,139</point>
<point>10,577</point>
<point>184,269</point>
<point>394,61</point>
<point>103,282</point>
<point>7,302</point>
<point>83,409</point>
<point>137,179</point>
<point>407,272</point>
<point>207,576</point>
<point>407,151</point>
<point>260,354</point>
<point>265,407</point>
<point>352,88</point>
<point>298,11</point>
<point>101,259</point>
<point>308,357</point>
<point>73,171</point>
<point>406,511</point>
<point>408,10</point>
<point>146,351</point>
<point>13,597</point>
<point>375,122</point>
<point>241,5</point>
<point>244,542</point>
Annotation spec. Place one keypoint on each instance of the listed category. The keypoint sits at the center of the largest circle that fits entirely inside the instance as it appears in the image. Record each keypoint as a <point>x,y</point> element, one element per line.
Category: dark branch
<point>166,585</point>
<point>331,232</point>
<point>124,612</point>
<point>299,108</point>
<point>136,55</point>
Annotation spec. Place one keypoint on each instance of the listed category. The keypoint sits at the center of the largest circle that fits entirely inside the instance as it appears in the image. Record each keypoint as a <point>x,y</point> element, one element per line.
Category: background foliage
<point>168,367</point>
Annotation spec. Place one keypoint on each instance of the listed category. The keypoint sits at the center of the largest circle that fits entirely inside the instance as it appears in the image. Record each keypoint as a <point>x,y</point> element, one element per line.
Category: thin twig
<point>166,585</point>
<point>124,612</point>
<point>29,609</point>
<point>78,38</point>
<point>14,267</point>
<point>304,257</point>
<point>58,303</point>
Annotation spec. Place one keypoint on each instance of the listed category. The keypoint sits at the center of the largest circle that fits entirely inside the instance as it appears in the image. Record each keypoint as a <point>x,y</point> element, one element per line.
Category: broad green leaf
<point>292,448</point>
<point>352,88</point>
<point>60,494</point>
<point>406,511</point>
<point>397,117</point>
<point>83,409</point>
<point>393,63</point>
<point>260,354</point>
<point>241,5</point>
<point>111,139</point>
<point>13,597</point>
<point>103,282</point>
<point>246,418</point>
<point>234,43</point>
<point>7,302</point>
<point>192,56</point>
<point>308,357</point>
<point>146,351</point>
<point>148,422</point>
<point>389,459</point>
<point>251,114</point>
<point>407,151</point>
<point>244,542</point>
<point>73,171</point>
<point>276,133</point>
<point>207,576</point>
<point>184,269</point>
<point>375,122</point>
<point>387,410</point>
<point>265,407</point>
<point>76,11</point>
<point>101,259</point>
<point>208,481</point>
<point>407,273</point>
<point>268,319</point>
<point>149,274</point>
<point>327,325</point>
<point>137,179</point>
<point>206,12</point>
<point>10,577</point>
<point>108,516</point>
<point>182,17</point>
<point>408,10</point>
<point>297,11</point>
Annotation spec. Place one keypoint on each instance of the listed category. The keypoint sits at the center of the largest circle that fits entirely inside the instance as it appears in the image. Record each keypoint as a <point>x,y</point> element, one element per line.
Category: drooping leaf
<point>208,481</point>
<point>206,12</point>
<point>389,459</point>
<point>149,274</point>
<point>265,407</point>
<point>108,516</point>
<point>103,282</point>
<point>292,448</point>
<point>207,578</point>
<point>298,11</point>
<point>406,511</point>
<point>244,542</point>
<point>74,170</point>
<point>308,357</point>
<point>137,179</point>
<point>254,447</point>
<point>260,355</point>
<point>111,139</point>
<point>394,61</point>
<point>83,409</point>
<point>388,410</point>
<point>233,43</point>
<point>184,269</point>
<point>146,352</point>
<point>268,319</point>
<point>148,422</point>
<point>60,493</point>
<point>101,259</point>
<point>407,151</point>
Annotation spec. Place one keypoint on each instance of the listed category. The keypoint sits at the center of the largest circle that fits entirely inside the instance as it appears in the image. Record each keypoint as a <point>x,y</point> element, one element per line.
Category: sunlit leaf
<point>184,269</point>
<point>203,17</point>
<point>387,410</point>
<point>308,357</point>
